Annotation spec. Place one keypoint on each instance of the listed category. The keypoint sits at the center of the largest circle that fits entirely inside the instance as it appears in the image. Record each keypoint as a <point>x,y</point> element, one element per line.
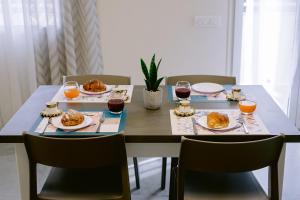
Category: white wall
<point>134,29</point>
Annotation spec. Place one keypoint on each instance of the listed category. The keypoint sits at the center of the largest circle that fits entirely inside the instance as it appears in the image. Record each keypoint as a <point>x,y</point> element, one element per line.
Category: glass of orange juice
<point>247,107</point>
<point>71,89</point>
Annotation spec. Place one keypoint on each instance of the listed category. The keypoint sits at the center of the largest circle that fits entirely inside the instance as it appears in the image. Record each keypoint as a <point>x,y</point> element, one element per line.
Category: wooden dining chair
<point>82,168</point>
<point>222,170</point>
<point>171,80</point>
<point>107,79</point>
<point>110,80</point>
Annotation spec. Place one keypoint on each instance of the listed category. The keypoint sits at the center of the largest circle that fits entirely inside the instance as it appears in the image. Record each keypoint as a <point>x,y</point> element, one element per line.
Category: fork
<point>101,120</point>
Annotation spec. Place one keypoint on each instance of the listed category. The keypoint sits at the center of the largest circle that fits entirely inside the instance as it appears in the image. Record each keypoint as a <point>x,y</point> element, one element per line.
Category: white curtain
<point>270,35</point>
<point>294,107</point>
<point>42,40</point>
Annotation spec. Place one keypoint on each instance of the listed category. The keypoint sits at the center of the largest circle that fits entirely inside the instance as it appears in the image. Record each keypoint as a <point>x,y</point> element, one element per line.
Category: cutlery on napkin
<point>101,120</point>
<point>241,120</point>
<point>195,130</point>
<point>43,126</point>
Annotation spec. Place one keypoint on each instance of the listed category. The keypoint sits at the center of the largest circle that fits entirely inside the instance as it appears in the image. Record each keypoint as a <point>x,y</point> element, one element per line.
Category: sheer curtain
<point>295,97</point>
<point>270,35</point>
<point>40,41</point>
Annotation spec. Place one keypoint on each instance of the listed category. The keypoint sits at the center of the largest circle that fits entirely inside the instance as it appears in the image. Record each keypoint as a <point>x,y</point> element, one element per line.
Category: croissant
<point>217,120</point>
<point>72,118</point>
<point>94,86</point>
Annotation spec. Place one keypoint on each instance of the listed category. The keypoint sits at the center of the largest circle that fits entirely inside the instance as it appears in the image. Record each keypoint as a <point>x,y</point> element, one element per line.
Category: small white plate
<point>233,123</point>
<point>108,89</point>
<point>56,121</point>
<point>207,88</point>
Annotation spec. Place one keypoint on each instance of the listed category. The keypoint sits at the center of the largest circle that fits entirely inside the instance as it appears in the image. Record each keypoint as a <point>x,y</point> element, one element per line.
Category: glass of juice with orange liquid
<point>71,89</point>
<point>247,107</point>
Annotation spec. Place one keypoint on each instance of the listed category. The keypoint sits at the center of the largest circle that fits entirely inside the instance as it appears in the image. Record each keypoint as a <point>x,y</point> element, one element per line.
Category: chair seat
<point>83,184</point>
<point>222,186</point>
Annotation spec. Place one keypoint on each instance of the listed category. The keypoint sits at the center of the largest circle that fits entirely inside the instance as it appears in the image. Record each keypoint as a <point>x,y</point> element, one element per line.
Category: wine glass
<point>183,90</point>
<point>71,89</point>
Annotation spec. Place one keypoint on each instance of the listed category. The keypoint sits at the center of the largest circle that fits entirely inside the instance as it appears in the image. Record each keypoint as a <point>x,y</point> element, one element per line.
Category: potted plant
<point>152,93</point>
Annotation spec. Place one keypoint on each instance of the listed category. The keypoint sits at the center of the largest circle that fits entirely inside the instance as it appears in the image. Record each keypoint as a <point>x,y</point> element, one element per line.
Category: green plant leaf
<point>152,72</point>
<point>158,64</point>
<point>157,83</point>
<point>147,85</point>
<point>152,59</point>
<point>144,69</point>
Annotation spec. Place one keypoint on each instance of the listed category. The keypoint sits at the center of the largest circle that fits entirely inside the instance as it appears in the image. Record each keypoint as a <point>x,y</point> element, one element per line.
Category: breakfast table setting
<point>152,117</point>
<point>148,133</point>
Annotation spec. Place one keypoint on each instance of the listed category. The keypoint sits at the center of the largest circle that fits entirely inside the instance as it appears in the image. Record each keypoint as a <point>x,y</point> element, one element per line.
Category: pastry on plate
<point>72,118</point>
<point>217,120</point>
<point>94,86</point>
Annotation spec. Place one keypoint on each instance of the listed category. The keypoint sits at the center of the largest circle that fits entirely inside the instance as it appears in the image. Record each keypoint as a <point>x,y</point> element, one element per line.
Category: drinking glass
<point>183,90</point>
<point>247,107</point>
<point>115,105</point>
<point>71,89</point>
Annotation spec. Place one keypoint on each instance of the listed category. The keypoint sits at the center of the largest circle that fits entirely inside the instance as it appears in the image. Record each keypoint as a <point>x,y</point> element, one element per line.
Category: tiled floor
<point>150,174</point>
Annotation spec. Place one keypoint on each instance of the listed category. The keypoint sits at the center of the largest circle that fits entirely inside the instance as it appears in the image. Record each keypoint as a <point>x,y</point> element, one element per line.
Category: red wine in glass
<point>183,90</point>
<point>183,93</point>
<point>115,106</point>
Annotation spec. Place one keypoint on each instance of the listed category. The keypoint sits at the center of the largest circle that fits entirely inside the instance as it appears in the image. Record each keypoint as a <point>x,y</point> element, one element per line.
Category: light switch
<point>207,21</point>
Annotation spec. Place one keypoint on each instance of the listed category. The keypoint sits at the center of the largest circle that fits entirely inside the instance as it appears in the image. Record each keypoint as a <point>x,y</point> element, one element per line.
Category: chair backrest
<point>171,80</point>
<point>229,156</point>
<point>107,79</point>
<point>77,153</point>
<point>208,156</point>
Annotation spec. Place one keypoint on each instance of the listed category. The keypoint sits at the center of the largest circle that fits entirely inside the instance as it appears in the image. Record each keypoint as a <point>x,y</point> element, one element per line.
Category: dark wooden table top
<point>144,125</point>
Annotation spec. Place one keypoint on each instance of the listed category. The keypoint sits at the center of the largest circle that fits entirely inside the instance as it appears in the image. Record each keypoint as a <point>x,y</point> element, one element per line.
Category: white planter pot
<point>152,100</point>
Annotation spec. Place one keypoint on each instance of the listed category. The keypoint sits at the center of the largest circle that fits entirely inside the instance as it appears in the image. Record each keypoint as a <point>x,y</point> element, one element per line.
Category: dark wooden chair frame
<point>77,153</point>
<point>259,154</point>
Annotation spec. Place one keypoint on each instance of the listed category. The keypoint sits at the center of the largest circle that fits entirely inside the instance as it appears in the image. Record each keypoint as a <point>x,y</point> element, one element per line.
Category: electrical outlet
<point>207,21</point>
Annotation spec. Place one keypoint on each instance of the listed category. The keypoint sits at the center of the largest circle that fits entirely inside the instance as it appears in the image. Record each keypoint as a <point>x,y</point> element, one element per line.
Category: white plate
<point>108,89</point>
<point>207,88</point>
<point>56,121</point>
<point>233,123</point>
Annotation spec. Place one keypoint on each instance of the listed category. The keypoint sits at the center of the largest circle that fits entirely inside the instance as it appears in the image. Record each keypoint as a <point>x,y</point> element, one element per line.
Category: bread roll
<point>217,120</point>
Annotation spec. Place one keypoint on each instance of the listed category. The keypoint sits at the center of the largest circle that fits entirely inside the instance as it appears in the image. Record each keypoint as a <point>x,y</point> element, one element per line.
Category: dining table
<point>148,133</point>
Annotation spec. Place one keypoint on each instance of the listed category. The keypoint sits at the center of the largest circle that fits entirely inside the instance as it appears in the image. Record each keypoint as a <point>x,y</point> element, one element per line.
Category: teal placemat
<point>196,98</point>
<point>61,133</point>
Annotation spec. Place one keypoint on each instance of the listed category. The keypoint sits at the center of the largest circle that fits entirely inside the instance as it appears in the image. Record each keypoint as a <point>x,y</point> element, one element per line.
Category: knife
<point>194,126</point>
<point>242,121</point>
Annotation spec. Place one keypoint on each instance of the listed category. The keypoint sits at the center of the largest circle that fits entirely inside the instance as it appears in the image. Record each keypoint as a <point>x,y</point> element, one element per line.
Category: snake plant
<point>151,79</point>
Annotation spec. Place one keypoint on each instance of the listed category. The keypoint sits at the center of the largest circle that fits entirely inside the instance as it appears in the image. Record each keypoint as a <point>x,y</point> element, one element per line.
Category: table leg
<point>281,163</point>
<point>173,170</point>
<point>23,170</point>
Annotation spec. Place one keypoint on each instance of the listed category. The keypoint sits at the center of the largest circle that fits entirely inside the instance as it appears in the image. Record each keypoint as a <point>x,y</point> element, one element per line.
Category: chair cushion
<point>77,184</point>
<point>222,186</point>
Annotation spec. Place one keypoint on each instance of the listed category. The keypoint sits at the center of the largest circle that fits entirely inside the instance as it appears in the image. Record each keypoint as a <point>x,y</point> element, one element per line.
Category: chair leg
<point>172,189</point>
<point>163,173</point>
<point>136,173</point>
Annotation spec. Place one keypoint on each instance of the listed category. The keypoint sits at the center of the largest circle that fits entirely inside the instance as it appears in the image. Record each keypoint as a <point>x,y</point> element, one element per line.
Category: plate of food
<point>94,87</point>
<point>218,121</point>
<point>207,88</point>
<point>71,120</point>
